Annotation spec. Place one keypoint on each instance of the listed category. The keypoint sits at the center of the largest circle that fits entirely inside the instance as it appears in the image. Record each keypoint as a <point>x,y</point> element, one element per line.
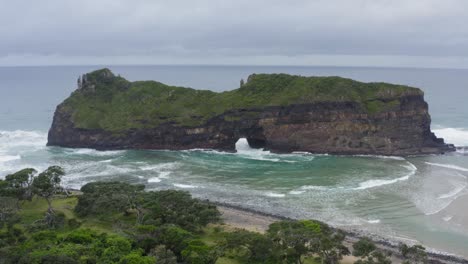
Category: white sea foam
<point>448,166</point>
<point>301,153</point>
<point>185,186</point>
<point>444,200</point>
<point>373,221</point>
<point>453,192</point>
<point>296,192</point>
<point>161,166</point>
<point>6,158</point>
<point>411,167</point>
<point>276,195</point>
<point>244,150</point>
<point>377,183</point>
<point>164,174</point>
<point>20,138</point>
<point>456,136</point>
<point>93,152</point>
<point>154,180</point>
<point>447,218</point>
<point>380,157</point>
<point>314,187</point>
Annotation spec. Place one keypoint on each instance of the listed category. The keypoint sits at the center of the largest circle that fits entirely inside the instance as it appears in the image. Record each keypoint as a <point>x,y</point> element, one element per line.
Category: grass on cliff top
<point>112,103</point>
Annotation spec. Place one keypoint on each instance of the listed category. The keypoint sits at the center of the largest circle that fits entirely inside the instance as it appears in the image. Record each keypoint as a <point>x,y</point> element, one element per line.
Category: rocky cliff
<point>279,112</point>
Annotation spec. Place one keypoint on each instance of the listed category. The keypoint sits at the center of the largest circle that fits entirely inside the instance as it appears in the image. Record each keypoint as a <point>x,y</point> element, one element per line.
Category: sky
<point>385,33</point>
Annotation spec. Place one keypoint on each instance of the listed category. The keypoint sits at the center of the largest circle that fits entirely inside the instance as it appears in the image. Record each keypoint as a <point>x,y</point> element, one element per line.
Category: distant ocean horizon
<point>419,199</point>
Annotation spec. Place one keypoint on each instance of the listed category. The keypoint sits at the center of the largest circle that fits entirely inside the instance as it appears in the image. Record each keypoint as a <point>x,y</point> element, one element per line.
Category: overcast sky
<point>421,33</point>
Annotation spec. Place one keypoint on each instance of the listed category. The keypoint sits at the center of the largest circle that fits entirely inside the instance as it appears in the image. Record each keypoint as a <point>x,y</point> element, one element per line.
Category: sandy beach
<point>258,222</point>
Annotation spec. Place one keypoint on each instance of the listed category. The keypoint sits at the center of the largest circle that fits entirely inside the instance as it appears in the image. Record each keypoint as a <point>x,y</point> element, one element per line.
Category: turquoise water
<point>415,199</point>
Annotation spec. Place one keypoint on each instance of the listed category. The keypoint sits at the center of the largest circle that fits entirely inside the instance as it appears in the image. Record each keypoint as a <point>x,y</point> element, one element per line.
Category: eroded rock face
<point>321,127</point>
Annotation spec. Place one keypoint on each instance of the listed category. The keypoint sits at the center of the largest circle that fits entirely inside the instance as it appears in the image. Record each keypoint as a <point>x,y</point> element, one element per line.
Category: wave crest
<point>456,136</point>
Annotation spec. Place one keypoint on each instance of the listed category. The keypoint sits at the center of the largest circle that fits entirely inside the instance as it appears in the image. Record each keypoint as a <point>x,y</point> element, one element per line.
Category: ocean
<point>417,199</point>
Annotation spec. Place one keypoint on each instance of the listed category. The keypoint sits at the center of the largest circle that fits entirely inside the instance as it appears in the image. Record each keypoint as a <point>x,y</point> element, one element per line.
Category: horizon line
<point>229,65</point>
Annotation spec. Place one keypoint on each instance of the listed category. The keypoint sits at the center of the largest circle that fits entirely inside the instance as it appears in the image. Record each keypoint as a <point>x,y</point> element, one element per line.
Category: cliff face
<point>390,120</point>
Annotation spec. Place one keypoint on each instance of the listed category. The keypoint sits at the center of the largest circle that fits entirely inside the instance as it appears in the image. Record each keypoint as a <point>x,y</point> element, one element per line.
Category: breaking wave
<point>21,138</point>
<point>456,136</point>
<point>93,152</point>
<point>244,150</point>
<point>377,183</point>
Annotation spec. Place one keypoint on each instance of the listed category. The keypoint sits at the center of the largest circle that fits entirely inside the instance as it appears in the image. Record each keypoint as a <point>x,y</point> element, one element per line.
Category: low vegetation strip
<point>115,222</point>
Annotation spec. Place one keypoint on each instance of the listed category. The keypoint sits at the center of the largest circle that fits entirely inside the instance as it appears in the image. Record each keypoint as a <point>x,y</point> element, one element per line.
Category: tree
<point>300,238</point>
<point>253,247</point>
<point>174,238</point>
<point>329,242</point>
<point>135,257</point>
<point>163,255</point>
<point>242,82</point>
<point>291,239</point>
<point>363,248</point>
<point>179,208</point>
<point>47,183</point>
<point>197,252</point>
<point>413,254</point>
<point>8,208</point>
<point>110,197</point>
<point>19,184</point>
<point>368,252</point>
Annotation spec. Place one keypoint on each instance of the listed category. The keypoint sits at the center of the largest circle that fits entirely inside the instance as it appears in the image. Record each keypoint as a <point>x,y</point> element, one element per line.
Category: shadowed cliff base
<point>279,112</point>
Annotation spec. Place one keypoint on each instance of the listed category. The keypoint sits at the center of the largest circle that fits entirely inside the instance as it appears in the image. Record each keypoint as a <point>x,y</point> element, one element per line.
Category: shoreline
<point>256,221</point>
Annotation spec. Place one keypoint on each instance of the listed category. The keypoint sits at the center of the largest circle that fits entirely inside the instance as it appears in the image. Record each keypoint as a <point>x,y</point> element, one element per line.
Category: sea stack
<point>279,112</point>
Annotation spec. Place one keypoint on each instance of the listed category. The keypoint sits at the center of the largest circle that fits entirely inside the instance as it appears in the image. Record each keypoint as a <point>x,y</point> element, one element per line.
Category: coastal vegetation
<point>116,222</point>
<point>109,102</point>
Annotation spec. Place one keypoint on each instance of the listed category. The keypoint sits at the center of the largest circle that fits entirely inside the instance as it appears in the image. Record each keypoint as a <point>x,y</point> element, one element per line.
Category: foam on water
<point>185,186</point>
<point>380,157</point>
<point>154,180</point>
<point>296,192</point>
<point>448,166</point>
<point>275,195</point>
<point>447,218</point>
<point>377,183</point>
<point>21,138</point>
<point>244,150</point>
<point>316,188</point>
<point>458,188</point>
<point>6,158</point>
<point>93,152</point>
<point>373,221</point>
<point>161,166</point>
<point>456,136</point>
<point>164,174</point>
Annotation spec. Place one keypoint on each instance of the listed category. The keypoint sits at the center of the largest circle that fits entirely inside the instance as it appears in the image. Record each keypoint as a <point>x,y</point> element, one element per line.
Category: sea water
<point>414,199</point>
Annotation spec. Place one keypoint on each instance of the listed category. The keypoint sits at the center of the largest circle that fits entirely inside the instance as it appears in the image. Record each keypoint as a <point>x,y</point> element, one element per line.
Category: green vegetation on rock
<point>105,101</point>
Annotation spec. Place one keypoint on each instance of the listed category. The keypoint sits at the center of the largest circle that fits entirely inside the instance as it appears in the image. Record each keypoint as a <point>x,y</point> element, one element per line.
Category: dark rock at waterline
<point>323,115</point>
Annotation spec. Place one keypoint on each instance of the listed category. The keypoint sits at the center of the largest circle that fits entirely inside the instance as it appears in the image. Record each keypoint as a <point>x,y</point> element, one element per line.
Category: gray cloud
<point>200,31</point>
